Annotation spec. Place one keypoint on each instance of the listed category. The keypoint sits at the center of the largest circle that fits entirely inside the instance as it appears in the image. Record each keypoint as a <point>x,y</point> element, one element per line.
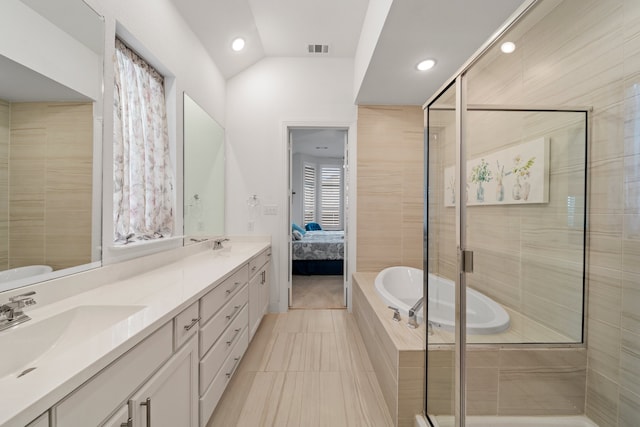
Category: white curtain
<point>142,172</point>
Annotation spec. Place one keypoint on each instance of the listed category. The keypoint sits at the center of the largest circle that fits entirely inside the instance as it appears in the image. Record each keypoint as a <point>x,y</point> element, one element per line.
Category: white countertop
<point>164,292</point>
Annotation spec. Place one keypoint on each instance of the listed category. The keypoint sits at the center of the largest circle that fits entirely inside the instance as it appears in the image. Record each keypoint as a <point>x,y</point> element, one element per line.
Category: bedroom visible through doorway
<point>318,217</point>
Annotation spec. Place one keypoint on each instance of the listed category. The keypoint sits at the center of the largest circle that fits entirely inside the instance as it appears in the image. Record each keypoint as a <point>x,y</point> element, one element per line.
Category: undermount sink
<point>38,340</point>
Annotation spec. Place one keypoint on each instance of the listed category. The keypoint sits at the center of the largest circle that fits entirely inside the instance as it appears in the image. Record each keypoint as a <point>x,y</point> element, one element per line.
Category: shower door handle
<point>466,261</point>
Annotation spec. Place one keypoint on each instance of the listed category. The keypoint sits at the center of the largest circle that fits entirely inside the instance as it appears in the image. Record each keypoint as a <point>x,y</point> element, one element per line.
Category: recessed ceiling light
<point>508,47</point>
<point>425,65</point>
<point>238,44</point>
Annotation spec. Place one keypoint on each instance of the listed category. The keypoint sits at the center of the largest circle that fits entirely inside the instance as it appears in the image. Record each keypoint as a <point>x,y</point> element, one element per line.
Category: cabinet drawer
<point>211,397</point>
<point>90,404</point>
<point>214,300</point>
<point>212,361</point>
<point>211,330</point>
<point>185,324</point>
<point>258,261</point>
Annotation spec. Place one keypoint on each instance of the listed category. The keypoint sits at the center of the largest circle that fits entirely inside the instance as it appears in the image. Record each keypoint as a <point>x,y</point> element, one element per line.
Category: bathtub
<point>23,272</point>
<point>401,287</point>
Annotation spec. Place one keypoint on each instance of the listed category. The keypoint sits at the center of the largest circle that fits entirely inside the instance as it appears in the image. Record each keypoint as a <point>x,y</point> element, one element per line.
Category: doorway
<point>317,209</point>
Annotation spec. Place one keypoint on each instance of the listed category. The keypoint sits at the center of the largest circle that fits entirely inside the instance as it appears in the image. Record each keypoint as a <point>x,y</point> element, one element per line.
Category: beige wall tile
<point>390,187</point>
<point>630,302</point>
<point>50,197</point>
<point>602,400</point>
<point>630,361</point>
<point>629,409</point>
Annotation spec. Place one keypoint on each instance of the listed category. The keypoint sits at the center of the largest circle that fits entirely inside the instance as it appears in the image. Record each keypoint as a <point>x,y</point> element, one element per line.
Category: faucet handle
<point>23,299</point>
<point>396,313</point>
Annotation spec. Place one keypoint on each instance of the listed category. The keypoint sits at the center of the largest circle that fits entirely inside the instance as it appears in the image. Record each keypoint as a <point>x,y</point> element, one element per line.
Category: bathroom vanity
<point>155,349</point>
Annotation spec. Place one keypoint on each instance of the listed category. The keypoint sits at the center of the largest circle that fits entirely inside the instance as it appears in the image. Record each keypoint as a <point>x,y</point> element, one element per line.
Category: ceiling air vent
<point>318,48</point>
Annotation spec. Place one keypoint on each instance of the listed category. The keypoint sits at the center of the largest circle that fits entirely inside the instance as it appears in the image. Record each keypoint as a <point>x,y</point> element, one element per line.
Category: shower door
<point>505,222</point>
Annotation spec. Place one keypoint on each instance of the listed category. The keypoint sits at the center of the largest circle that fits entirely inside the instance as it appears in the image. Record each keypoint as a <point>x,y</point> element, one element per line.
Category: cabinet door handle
<point>235,286</point>
<point>233,368</point>
<point>234,337</point>
<point>147,403</point>
<point>193,323</point>
<point>233,313</point>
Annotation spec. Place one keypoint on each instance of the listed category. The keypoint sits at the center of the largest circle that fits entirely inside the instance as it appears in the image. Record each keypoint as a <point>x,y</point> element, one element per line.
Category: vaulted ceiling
<point>446,30</point>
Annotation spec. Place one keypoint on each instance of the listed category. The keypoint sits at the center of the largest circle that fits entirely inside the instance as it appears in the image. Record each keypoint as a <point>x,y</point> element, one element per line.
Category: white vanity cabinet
<point>259,268</point>
<point>170,397</point>
<point>149,379</point>
<point>177,373</point>
<point>223,337</point>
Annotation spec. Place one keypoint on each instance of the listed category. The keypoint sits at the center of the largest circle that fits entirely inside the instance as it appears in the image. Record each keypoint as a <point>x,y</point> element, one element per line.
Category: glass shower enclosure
<point>505,241</point>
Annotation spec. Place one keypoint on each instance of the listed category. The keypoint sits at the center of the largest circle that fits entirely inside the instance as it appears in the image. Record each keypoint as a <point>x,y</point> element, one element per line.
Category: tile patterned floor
<point>304,367</point>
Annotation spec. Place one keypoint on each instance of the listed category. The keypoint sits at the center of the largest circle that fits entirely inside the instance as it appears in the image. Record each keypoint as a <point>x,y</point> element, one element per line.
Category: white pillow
<point>296,235</point>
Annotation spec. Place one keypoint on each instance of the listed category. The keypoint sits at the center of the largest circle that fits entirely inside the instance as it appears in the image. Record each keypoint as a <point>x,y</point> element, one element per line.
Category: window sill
<point>119,252</point>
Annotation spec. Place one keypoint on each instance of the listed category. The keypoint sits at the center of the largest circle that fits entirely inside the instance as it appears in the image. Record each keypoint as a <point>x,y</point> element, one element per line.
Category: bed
<point>319,253</point>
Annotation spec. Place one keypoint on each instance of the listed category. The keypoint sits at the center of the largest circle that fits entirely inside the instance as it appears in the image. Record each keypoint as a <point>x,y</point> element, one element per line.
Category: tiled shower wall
<point>49,185</point>
<point>390,187</point>
<point>587,53</point>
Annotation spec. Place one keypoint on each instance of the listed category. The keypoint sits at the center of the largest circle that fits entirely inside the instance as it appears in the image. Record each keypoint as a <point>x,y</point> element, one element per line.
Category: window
<point>309,193</point>
<point>331,197</point>
<point>142,172</point>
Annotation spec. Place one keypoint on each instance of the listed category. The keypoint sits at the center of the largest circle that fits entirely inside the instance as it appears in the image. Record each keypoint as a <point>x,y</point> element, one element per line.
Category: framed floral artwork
<point>518,174</point>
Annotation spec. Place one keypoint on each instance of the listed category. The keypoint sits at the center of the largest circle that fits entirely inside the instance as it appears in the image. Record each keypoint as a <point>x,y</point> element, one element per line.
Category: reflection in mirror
<point>50,101</point>
<point>203,173</point>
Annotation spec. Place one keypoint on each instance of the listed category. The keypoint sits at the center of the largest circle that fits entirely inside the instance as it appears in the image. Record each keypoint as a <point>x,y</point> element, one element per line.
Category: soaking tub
<point>401,287</point>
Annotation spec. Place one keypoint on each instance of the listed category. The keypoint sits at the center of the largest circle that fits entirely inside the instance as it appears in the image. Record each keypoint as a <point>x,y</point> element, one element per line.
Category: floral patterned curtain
<point>142,172</point>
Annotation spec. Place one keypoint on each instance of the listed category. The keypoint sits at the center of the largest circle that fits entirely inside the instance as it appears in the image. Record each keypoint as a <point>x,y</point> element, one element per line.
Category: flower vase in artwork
<point>500,191</point>
<point>526,188</point>
<point>480,192</point>
<point>517,189</point>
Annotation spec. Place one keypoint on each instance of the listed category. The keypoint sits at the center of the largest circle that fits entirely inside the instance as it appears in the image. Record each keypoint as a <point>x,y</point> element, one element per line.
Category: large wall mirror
<point>51,59</point>
<point>203,173</point>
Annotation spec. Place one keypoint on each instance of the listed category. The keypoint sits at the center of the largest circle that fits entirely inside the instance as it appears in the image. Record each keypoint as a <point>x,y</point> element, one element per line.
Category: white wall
<point>261,102</point>
<point>371,28</point>
<point>165,39</point>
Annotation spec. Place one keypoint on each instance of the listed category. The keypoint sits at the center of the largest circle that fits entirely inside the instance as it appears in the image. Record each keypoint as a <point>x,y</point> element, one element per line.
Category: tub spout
<point>413,318</point>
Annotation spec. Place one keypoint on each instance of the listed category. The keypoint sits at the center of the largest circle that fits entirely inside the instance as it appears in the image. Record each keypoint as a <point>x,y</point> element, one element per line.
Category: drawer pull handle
<point>235,286</point>
<point>233,368</point>
<point>129,423</point>
<point>254,268</point>
<point>193,323</point>
<point>147,403</point>
<point>234,337</point>
<point>233,313</point>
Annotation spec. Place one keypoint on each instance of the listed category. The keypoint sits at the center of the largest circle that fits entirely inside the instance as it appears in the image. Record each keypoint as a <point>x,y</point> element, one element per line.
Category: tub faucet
<point>11,313</point>
<point>413,318</point>
<point>217,243</point>
<point>396,313</point>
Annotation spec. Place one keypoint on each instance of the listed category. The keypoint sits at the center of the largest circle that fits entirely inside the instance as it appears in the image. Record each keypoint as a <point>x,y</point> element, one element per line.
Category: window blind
<point>330,197</point>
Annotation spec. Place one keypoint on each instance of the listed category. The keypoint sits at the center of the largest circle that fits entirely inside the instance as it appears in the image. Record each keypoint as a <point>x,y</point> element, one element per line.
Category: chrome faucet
<point>11,313</point>
<point>413,318</point>
<point>217,243</point>
<point>396,313</point>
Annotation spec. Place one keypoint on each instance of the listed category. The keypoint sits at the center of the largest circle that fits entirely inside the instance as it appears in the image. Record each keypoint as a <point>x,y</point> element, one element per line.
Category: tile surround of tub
<point>390,187</point>
<point>396,352</point>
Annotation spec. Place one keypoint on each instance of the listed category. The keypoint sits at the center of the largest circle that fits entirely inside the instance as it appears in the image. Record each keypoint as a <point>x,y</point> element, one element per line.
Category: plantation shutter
<point>330,197</point>
<point>309,194</point>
